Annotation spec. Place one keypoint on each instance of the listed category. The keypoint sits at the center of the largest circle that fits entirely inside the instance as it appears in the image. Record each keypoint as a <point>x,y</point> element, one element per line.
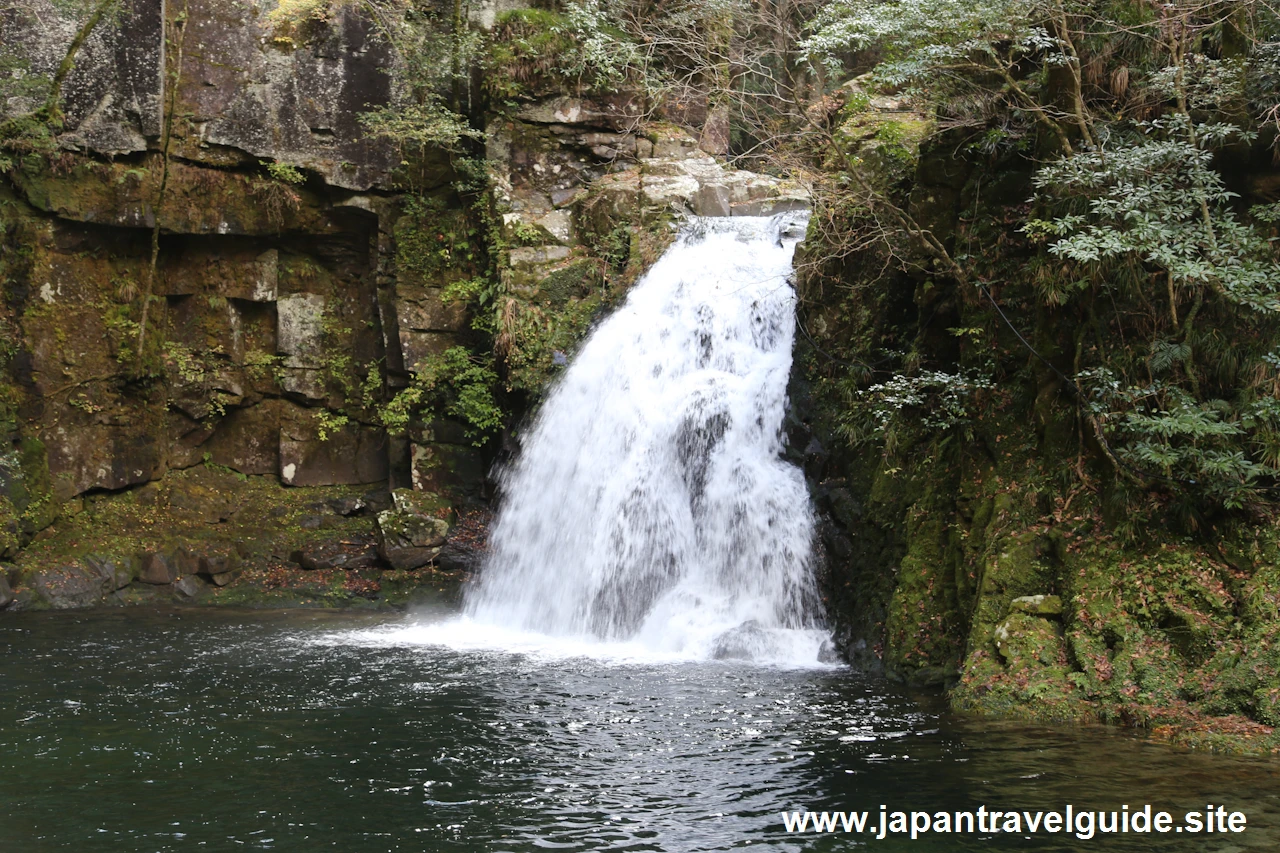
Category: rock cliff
<point>215,267</point>
<point>956,556</point>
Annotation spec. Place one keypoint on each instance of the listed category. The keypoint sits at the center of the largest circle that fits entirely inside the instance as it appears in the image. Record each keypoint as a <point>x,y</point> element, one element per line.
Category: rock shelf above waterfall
<point>701,186</point>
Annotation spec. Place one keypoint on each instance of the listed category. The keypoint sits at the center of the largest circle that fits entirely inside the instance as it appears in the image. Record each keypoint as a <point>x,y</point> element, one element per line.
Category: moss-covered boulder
<point>413,531</point>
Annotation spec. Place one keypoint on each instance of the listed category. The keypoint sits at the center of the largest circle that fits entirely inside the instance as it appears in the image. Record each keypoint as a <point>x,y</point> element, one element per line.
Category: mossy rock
<point>884,139</point>
<point>1023,565</point>
<point>575,281</point>
<point>1039,693</point>
<point>197,200</point>
<point>924,623</point>
<point>1025,641</point>
<point>1038,605</point>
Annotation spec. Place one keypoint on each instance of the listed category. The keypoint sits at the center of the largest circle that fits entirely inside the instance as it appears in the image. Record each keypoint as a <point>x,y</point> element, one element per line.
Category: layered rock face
<point>262,287</point>
<point>218,264</point>
<point>588,193</point>
<point>200,275</point>
<point>236,92</point>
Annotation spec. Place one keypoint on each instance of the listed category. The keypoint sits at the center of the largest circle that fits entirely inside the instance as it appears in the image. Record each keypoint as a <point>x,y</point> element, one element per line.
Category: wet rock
<point>69,587</point>
<point>347,507</point>
<point>140,593</point>
<point>219,564</point>
<point>6,594</point>
<point>350,455</point>
<point>828,653</point>
<point>712,200</point>
<point>1038,605</point>
<point>116,572</point>
<point>467,545</point>
<point>746,642</point>
<point>412,532</point>
<point>448,468</point>
<point>189,587</point>
<point>457,557</point>
<point>339,555</point>
<point>378,501</point>
<point>158,569</point>
<point>23,599</point>
<point>841,503</point>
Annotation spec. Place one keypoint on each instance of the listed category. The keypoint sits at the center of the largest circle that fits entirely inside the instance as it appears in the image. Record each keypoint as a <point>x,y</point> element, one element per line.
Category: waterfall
<point>650,503</point>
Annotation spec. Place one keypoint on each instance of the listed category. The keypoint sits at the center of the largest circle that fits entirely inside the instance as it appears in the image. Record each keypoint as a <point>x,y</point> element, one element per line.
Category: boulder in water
<point>746,642</point>
<point>827,652</point>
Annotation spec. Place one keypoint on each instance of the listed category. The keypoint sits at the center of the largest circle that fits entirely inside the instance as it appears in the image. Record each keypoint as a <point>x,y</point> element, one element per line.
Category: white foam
<point>791,649</point>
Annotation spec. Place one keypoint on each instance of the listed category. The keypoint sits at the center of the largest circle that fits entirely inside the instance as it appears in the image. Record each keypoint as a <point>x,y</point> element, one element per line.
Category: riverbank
<point>210,536</point>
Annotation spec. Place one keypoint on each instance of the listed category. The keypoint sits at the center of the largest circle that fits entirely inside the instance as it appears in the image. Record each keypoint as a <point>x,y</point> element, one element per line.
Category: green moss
<point>271,523</point>
<point>532,337</point>
<point>924,625</point>
<point>421,588</point>
<point>436,243</point>
<point>885,143</point>
<point>578,280</point>
<point>1040,694</point>
<point>1167,633</point>
<point>266,521</point>
<point>10,529</point>
<point>526,54</point>
<point>32,495</point>
<point>1022,565</point>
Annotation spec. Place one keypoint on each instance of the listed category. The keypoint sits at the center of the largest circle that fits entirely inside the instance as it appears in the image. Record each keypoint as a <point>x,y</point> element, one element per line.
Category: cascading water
<point>650,503</point>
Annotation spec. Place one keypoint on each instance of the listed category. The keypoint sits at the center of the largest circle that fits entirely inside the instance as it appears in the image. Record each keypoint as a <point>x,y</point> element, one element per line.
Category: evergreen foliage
<point>1163,284</point>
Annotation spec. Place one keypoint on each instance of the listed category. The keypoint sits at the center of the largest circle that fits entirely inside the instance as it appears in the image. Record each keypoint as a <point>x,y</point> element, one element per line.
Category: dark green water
<point>215,730</point>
